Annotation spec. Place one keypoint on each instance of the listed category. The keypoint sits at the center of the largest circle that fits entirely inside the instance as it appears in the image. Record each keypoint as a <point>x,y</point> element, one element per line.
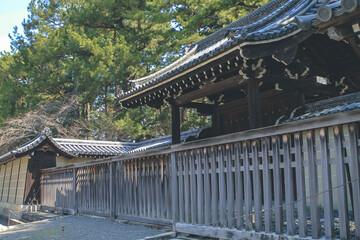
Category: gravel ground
<point>79,228</point>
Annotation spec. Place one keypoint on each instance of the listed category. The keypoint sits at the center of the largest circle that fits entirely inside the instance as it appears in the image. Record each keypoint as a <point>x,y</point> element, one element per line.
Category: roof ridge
<point>63,140</point>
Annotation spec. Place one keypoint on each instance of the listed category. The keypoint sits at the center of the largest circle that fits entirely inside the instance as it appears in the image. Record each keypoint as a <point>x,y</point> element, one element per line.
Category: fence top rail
<point>287,128</point>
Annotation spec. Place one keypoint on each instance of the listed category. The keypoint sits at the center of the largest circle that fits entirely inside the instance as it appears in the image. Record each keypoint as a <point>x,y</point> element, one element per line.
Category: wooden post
<point>186,160</point>
<point>341,183</point>
<point>175,193</point>
<point>181,188</point>
<point>254,103</point>
<point>175,124</point>
<point>74,190</point>
<point>112,191</point>
<point>314,187</point>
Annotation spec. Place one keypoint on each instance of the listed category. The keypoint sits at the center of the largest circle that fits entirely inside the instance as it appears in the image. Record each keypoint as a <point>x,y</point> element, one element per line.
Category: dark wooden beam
<point>201,108</point>
<point>354,43</point>
<point>254,105</point>
<point>175,124</point>
<point>208,89</point>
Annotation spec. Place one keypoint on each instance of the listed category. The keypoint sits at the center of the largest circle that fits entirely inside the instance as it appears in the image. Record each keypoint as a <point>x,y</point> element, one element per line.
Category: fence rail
<point>296,179</point>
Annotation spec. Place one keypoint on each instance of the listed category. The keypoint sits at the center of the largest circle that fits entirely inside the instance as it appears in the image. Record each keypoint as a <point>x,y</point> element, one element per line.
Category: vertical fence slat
<point>207,193</point>
<point>248,188</point>
<point>327,186</point>
<point>153,189</point>
<point>74,190</point>
<point>168,191</point>
<point>341,184</point>
<point>200,189</point>
<point>181,188</point>
<point>314,188</point>
<point>300,185</point>
<point>222,188</point>
<point>187,188</point>
<point>136,188</point>
<point>141,188</point>
<point>214,189</point>
<point>230,187</point>
<point>112,191</point>
<point>174,185</point>
<point>289,193</point>
<point>238,189</point>
<point>277,187</point>
<point>193,189</point>
<point>257,187</point>
<point>355,175</point>
<point>267,186</point>
<point>149,193</point>
<point>157,188</point>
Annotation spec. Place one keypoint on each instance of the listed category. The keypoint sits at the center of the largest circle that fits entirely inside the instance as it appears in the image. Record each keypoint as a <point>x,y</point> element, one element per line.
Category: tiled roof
<point>90,148</point>
<point>272,22</point>
<point>164,141</point>
<point>350,102</point>
<point>94,148</point>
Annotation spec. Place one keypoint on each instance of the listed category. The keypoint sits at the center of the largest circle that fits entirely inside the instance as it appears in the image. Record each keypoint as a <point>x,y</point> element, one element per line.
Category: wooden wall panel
<point>2,177</point>
<point>5,195</point>
<point>21,180</point>
<point>13,180</point>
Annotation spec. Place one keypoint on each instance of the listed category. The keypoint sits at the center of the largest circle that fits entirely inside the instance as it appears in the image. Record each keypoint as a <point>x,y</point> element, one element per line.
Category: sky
<point>12,13</point>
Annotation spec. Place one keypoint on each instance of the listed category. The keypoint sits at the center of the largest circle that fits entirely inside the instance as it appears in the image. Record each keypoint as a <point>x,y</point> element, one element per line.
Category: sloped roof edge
<point>273,22</point>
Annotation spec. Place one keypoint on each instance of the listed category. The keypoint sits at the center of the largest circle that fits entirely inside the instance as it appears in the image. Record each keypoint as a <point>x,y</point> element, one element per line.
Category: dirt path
<point>79,228</point>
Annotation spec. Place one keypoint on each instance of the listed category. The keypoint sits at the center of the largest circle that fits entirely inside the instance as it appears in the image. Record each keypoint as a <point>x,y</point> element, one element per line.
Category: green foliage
<point>87,50</point>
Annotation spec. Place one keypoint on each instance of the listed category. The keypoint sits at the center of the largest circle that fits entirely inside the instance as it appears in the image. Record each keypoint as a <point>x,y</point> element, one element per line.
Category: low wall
<point>15,210</point>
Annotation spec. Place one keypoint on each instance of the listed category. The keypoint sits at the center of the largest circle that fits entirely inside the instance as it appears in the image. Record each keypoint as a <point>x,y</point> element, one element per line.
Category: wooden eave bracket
<point>208,89</point>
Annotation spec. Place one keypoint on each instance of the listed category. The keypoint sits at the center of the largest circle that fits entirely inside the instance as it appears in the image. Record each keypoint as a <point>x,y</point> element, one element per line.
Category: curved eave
<point>240,46</point>
<point>272,28</point>
<point>7,157</point>
<point>48,140</point>
<point>176,73</point>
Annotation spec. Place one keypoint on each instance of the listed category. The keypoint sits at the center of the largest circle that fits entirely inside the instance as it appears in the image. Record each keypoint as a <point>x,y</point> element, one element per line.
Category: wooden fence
<point>57,191</point>
<point>296,179</point>
<point>135,189</point>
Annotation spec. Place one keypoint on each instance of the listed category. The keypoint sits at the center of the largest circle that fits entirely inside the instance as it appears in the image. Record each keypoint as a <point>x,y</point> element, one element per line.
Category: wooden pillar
<point>174,190</point>
<point>254,105</point>
<point>175,124</point>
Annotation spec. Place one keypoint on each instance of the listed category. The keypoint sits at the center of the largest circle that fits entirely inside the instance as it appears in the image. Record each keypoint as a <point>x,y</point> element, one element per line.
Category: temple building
<point>261,69</point>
